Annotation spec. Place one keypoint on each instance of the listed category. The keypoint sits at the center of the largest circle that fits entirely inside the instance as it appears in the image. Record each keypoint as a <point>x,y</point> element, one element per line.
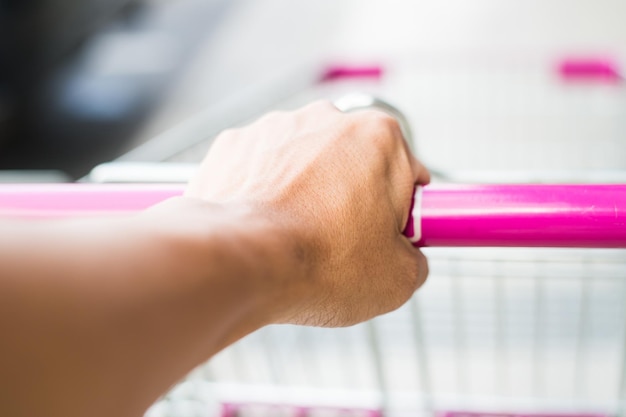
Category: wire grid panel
<point>492,329</point>
<point>536,326</point>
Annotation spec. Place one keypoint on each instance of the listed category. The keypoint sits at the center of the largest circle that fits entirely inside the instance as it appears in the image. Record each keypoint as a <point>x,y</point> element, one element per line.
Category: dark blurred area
<point>79,77</point>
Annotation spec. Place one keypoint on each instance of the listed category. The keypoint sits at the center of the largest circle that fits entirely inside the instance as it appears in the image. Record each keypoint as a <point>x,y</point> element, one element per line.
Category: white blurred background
<point>259,38</point>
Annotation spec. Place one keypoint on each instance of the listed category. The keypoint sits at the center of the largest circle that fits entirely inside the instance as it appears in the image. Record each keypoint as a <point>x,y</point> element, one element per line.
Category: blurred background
<point>82,82</point>
<point>496,91</point>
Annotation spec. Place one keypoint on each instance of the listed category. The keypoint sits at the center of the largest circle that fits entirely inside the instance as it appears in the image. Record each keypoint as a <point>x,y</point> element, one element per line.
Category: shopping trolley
<point>519,331</point>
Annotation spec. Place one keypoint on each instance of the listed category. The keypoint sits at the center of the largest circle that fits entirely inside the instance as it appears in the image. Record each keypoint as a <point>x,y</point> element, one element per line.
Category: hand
<point>339,185</point>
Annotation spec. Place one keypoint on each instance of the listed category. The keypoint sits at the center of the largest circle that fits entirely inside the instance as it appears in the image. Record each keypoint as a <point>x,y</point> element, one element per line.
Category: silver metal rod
<point>423,370</point>
<point>378,362</point>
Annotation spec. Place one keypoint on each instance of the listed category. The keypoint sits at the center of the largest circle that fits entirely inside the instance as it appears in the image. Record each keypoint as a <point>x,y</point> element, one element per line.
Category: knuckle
<point>319,107</point>
<point>384,120</point>
<point>323,104</point>
<point>420,271</point>
<point>271,116</point>
<point>227,137</point>
<point>407,279</point>
<point>222,138</point>
<point>382,127</point>
<point>416,271</point>
<point>227,133</point>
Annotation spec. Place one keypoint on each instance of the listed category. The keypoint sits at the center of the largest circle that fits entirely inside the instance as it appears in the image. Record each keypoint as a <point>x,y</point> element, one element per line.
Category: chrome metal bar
<point>378,362</point>
<point>421,356</point>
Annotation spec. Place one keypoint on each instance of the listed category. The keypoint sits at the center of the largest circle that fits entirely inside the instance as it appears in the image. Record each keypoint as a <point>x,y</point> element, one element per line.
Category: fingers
<point>387,127</point>
<point>409,274</point>
<point>319,112</point>
<point>322,105</point>
<point>420,172</point>
<point>394,132</point>
<point>415,263</point>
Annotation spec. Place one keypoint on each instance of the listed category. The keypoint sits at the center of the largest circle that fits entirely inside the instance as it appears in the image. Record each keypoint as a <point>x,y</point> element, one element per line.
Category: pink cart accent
<point>592,216</point>
<point>604,70</point>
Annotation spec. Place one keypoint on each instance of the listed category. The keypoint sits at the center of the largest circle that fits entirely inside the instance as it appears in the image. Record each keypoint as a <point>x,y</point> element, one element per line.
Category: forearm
<point>99,317</point>
<point>117,311</point>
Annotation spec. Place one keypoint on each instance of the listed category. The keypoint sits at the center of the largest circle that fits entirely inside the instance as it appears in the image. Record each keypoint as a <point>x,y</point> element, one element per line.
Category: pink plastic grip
<point>68,200</point>
<point>592,216</point>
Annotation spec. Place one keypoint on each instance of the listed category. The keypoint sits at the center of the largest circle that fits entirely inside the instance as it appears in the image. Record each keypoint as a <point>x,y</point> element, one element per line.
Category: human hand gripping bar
<point>589,216</point>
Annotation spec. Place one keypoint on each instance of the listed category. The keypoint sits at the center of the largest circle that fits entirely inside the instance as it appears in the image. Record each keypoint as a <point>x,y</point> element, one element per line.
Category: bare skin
<point>296,218</point>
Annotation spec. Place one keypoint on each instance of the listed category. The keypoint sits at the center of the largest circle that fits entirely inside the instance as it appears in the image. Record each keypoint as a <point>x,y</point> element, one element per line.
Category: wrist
<point>262,263</point>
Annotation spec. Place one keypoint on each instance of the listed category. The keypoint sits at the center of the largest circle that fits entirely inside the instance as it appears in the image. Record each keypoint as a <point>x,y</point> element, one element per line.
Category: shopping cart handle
<point>590,216</point>
<point>584,216</point>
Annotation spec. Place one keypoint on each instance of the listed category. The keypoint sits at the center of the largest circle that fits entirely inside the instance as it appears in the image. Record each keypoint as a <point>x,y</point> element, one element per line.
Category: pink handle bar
<point>591,216</point>
<point>587,216</point>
